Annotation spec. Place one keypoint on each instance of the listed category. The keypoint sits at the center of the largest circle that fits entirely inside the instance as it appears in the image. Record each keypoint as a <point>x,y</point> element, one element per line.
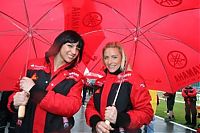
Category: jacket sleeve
<point>142,112</point>
<point>10,105</point>
<point>192,93</point>
<point>91,114</point>
<point>63,105</point>
<point>184,93</point>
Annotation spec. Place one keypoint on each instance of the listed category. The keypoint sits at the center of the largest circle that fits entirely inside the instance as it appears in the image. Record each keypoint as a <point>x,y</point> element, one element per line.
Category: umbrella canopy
<point>161,38</point>
<point>28,28</point>
<point>82,16</point>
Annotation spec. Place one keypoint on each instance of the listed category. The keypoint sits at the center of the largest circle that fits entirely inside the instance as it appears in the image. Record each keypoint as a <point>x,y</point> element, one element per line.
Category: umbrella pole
<point>115,99</point>
<point>22,108</point>
<point>126,67</point>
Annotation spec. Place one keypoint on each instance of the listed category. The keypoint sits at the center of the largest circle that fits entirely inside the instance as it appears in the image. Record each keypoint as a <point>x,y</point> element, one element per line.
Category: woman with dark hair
<point>132,108</point>
<point>52,87</point>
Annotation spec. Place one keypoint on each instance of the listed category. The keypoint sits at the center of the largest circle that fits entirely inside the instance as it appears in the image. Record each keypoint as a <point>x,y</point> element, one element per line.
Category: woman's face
<point>69,51</point>
<point>112,59</point>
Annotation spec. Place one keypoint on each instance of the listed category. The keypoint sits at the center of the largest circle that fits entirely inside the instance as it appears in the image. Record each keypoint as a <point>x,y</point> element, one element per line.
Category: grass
<point>179,109</point>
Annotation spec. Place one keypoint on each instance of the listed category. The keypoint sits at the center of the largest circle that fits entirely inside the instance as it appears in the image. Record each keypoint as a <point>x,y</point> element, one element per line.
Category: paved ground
<point>160,125</point>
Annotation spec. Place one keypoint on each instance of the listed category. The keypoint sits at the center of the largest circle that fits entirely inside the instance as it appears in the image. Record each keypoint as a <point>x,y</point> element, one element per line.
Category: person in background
<point>154,103</point>
<point>5,115</point>
<point>132,108</point>
<point>52,87</point>
<point>84,92</point>
<point>170,105</point>
<point>189,93</point>
<point>198,117</point>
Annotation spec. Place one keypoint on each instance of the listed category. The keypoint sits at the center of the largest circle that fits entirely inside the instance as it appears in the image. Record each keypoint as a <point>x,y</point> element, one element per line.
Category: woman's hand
<point>102,127</point>
<point>26,84</point>
<point>111,114</point>
<point>20,98</point>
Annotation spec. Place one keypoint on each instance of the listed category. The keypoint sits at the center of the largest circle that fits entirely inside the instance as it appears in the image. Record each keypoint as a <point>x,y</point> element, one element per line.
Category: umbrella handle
<point>107,122</point>
<point>21,112</point>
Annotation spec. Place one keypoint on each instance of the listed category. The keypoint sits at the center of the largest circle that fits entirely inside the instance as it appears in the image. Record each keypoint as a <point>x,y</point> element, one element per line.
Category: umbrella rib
<point>159,59</point>
<point>136,42</point>
<point>48,29</point>
<point>95,31</point>
<point>117,12</point>
<point>172,38</point>
<point>43,39</point>
<point>114,32</point>
<point>27,15</point>
<point>101,30</point>
<point>46,13</point>
<point>139,15</point>
<point>123,16</point>
<point>158,21</point>
<point>33,44</point>
<point>155,24</point>
<point>95,64</point>
<point>128,37</point>
<point>7,33</point>
<point>11,19</point>
<point>19,44</point>
<point>167,16</point>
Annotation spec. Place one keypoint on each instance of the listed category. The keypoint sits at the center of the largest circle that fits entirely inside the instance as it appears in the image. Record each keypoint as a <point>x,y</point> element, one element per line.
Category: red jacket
<point>133,102</point>
<point>188,93</point>
<point>54,96</point>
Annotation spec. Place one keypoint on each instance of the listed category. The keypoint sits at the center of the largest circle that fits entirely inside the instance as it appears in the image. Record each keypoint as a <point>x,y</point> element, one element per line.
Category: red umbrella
<point>28,28</point>
<point>161,39</point>
<point>82,16</point>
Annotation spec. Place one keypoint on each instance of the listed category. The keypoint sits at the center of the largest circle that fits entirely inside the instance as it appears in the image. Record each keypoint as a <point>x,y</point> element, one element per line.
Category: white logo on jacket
<point>73,75</point>
<point>36,67</point>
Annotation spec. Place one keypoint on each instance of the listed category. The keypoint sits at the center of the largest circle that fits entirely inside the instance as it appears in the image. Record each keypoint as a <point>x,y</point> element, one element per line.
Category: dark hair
<point>188,87</point>
<point>68,36</point>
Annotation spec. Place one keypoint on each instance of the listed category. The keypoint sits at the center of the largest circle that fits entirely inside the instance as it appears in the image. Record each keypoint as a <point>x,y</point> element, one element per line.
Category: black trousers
<point>5,115</point>
<point>190,109</point>
<point>171,101</point>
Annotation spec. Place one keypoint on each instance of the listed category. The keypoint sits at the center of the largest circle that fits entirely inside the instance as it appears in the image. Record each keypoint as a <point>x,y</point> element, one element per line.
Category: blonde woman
<point>132,109</point>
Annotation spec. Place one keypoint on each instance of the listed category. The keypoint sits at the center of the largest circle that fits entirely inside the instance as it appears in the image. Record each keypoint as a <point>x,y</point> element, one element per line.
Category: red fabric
<point>104,96</point>
<point>82,16</point>
<point>55,103</point>
<point>190,92</point>
<point>183,93</point>
<point>39,124</point>
<point>90,110</point>
<point>156,38</point>
<point>29,28</point>
<point>52,101</point>
<point>142,111</point>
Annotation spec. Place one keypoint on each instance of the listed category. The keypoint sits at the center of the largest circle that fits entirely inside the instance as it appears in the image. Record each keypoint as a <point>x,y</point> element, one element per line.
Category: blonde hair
<point>119,47</point>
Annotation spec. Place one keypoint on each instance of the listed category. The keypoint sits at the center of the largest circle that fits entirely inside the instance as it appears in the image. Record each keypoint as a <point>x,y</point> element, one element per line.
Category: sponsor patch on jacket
<point>37,67</point>
<point>73,75</point>
<point>99,83</point>
<point>123,77</point>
